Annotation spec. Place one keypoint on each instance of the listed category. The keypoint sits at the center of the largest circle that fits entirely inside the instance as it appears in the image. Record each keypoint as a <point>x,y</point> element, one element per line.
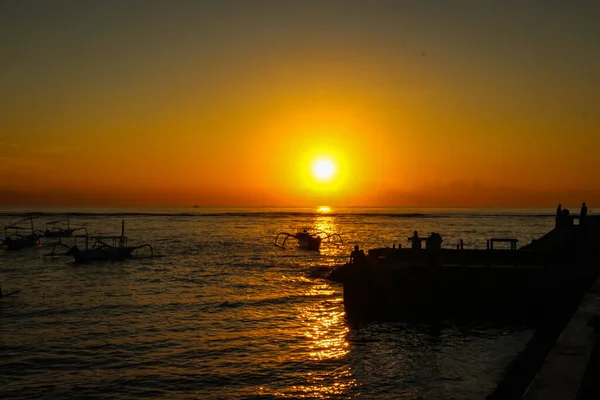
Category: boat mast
<point>122,232</point>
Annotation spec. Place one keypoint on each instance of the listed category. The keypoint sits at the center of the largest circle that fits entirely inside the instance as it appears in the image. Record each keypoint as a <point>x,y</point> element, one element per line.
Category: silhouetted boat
<point>15,236</point>
<point>97,248</point>
<point>307,238</point>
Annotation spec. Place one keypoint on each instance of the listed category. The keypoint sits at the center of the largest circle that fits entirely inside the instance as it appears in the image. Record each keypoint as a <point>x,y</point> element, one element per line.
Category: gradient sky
<point>227,103</point>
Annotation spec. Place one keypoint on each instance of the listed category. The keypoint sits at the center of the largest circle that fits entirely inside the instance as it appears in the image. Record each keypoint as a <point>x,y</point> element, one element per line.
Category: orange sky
<point>429,104</point>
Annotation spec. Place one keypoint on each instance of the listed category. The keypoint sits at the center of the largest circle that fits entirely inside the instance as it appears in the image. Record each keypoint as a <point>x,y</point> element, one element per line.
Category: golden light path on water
<point>327,224</point>
<point>328,341</point>
<point>324,327</point>
<point>326,332</point>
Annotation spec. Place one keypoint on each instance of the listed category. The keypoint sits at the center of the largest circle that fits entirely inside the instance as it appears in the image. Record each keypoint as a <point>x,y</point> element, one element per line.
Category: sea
<point>220,312</point>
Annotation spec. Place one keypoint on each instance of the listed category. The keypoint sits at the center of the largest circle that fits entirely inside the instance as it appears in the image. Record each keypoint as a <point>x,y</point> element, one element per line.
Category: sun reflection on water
<point>328,225</point>
<point>323,329</point>
<point>325,345</point>
<point>324,209</point>
<point>326,333</point>
<point>320,391</point>
<point>325,223</point>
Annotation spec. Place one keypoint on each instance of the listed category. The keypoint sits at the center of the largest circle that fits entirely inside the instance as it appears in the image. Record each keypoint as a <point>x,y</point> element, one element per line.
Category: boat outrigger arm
<point>55,231</point>
<point>100,248</point>
<point>17,226</point>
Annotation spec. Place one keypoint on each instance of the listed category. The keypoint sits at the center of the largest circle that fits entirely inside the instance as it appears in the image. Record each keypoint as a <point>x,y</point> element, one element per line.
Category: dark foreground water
<point>227,315</point>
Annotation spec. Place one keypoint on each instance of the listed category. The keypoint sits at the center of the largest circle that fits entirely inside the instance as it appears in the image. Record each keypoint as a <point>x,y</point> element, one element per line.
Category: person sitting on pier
<point>434,241</point>
<point>567,219</point>
<point>357,256</point>
<point>433,245</point>
<point>415,240</point>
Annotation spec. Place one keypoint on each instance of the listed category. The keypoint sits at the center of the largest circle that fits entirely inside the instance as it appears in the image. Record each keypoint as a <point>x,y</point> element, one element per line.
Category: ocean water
<point>225,314</point>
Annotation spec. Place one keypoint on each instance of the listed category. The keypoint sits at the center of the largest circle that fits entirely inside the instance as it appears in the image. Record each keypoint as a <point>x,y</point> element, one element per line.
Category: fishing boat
<point>96,248</point>
<point>308,238</point>
<point>18,235</point>
<point>52,230</point>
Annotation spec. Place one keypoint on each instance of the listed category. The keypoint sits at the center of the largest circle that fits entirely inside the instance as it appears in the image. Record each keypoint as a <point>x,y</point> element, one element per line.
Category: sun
<point>324,170</point>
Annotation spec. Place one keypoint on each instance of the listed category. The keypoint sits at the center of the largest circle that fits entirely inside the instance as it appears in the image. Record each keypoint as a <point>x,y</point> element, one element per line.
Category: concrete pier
<point>562,373</point>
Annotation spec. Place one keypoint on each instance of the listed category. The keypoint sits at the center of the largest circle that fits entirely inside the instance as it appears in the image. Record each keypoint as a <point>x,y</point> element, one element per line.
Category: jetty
<point>551,284</point>
<point>562,359</point>
<point>491,283</point>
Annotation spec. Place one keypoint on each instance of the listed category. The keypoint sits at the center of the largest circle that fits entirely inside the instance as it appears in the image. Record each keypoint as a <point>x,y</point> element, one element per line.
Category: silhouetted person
<point>438,241</point>
<point>583,214</point>
<point>559,210</point>
<point>567,219</point>
<point>415,240</point>
<point>433,244</point>
<point>434,241</point>
<point>429,241</point>
<point>357,255</point>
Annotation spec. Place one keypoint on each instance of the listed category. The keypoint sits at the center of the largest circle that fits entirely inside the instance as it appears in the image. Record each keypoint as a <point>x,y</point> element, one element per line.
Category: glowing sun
<point>324,170</point>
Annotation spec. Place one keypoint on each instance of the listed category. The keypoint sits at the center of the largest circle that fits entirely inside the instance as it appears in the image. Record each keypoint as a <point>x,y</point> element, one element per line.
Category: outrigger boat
<point>57,232</point>
<point>96,248</point>
<point>15,237</point>
<point>307,238</point>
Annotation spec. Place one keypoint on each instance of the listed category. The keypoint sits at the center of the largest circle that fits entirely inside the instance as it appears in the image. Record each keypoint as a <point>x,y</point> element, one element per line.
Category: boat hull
<point>309,242</point>
<point>59,234</point>
<point>17,244</point>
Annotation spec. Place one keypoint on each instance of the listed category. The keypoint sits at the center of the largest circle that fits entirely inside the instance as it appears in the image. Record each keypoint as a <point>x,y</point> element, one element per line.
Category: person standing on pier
<point>415,240</point>
<point>357,256</point>
<point>559,215</point>
<point>583,214</point>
